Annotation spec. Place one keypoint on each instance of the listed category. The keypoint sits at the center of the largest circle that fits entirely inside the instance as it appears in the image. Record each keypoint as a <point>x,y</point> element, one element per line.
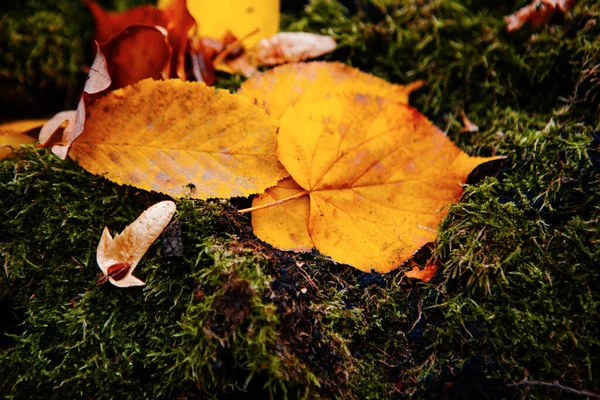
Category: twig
<point>418,319</point>
<point>306,276</point>
<point>555,386</point>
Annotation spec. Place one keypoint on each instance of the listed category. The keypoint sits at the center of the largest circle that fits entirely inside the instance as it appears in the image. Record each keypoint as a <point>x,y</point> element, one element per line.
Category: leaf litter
<point>354,171</point>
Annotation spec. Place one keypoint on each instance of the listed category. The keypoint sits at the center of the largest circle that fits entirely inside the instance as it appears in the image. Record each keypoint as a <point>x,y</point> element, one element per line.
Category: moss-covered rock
<point>226,316</point>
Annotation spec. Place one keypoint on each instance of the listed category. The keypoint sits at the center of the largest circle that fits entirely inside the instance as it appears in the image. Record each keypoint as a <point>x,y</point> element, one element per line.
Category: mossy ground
<point>229,317</point>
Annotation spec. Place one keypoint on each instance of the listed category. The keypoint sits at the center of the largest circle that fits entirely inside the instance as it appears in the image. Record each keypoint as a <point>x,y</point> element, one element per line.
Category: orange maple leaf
<point>373,179</point>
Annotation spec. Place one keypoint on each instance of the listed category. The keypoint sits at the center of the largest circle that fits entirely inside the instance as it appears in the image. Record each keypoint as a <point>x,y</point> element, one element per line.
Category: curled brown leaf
<point>117,257</point>
<point>98,81</point>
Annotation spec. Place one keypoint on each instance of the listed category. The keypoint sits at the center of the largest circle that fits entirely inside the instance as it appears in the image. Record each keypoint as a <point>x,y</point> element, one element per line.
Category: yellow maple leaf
<point>378,176</point>
<point>180,138</point>
<point>215,18</point>
<point>278,89</point>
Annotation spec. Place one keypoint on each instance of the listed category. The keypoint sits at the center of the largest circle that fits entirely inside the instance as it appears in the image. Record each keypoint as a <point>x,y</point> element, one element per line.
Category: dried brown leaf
<point>98,81</point>
<point>286,47</point>
<point>117,257</point>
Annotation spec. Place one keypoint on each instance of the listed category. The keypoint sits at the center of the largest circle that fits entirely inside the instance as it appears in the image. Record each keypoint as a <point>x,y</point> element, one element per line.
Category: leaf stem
<point>275,203</point>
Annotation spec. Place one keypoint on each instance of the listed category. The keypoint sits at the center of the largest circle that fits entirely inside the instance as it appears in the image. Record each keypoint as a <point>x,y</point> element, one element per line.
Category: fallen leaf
<point>215,18</point>
<point>286,47</point>
<point>424,274</point>
<point>136,53</point>
<point>98,81</point>
<point>50,133</point>
<point>180,23</point>
<point>202,53</point>
<point>169,135</point>
<point>174,18</point>
<point>234,58</point>
<point>468,126</point>
<point>378,176</point>
<point>15,133</point>
<point>278,89</point>
<point>22,126</point>
<point>538,13</point>
<point>111,23</point>
<point>117,257</point>
<point>242,65</point>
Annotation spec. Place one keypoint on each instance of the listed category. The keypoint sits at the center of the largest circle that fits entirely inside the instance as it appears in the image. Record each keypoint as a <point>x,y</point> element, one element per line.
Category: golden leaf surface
<point>379,178</point>
<point>283,226</point>
<point>180,138</point>
<point>278,89</point>
<point>128,247</point>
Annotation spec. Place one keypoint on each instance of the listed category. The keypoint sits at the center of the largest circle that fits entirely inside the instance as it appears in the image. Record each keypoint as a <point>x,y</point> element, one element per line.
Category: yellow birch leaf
<point>278,89</point>
<point>378,174</point>
<point>117,257</point>
<point>180,138</point>
<point>13,134</point>
<point>215,18</point>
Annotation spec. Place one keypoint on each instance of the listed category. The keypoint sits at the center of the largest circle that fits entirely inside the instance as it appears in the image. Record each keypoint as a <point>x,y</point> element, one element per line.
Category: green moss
<point>516,294</point>
<point>461,49</point>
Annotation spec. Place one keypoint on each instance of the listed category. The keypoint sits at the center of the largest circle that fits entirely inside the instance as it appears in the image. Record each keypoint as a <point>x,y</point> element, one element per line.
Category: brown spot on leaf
<point>118,271</point>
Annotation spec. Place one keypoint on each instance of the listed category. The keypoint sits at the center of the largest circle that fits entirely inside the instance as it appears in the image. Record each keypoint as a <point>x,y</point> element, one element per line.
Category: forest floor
<point>513,312</point>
